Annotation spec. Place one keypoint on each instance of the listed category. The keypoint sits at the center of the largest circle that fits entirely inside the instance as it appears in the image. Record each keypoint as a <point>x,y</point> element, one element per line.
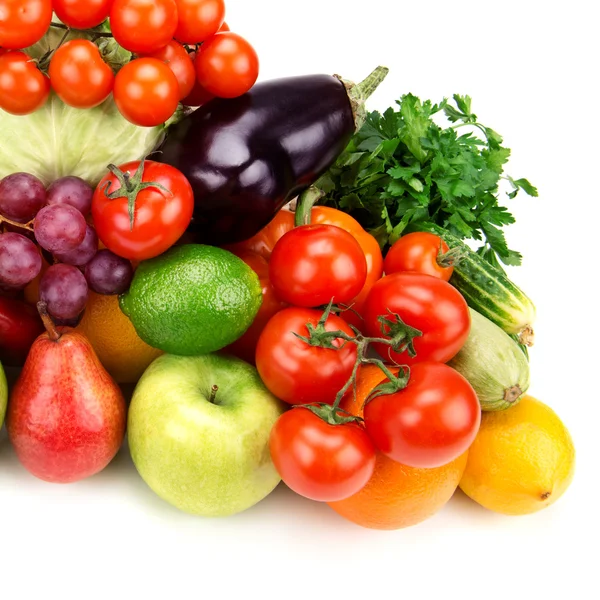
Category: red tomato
<point>426,303</point>
<point>82,14</point>
<point>198,20</point>
<point>177,58</point>
<point>146,92</point>
<point>198,95</point>
<point>419,252</point>
<point>79,76</point>
<point>23,87</point>
<point>312,264</point>
<point>227,65</point>
<point>160,217</point>
<point>224,27</point>
<point>245,347</point>
<point>143,26</point>
<point>429,423</point>
<point>23,22</point>
<point>296,372</point>
<point>320,461</point>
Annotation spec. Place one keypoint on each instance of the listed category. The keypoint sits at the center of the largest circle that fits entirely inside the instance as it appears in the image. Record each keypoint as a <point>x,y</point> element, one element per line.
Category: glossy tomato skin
<point>177,58</point>
<point>418,252</point>
<point>426,303</point>
<point>296,372</point>
<point>245,347</point>
<point>23,22</point>
<point>79,76</point>
<point>160,218</point>
<point>82,14</point>
<point>313,264</point>
<point>23,87</point>
<point>198,20</point>
<point>429,423</point>
<point>227,65</point>
<point>320,461</point>
<point>146,92</point>
<point>143,26</point>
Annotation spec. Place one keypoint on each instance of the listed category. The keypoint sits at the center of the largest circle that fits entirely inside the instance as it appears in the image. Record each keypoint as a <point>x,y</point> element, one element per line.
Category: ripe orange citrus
<point>396,496</point>
<point>122,352</point>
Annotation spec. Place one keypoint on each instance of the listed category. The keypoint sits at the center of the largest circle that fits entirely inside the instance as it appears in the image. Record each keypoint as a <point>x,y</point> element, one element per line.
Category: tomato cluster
<point>424,415</point>
<point>181,51</point>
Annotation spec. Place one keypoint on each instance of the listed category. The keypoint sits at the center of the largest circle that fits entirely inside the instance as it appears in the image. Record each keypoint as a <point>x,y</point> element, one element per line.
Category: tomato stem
<point>92,32</point>
<point>450,258</point>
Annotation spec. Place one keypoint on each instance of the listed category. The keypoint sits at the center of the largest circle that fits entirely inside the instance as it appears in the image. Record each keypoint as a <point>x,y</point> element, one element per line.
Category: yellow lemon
<point>521,461</point>
<point>122,352</point>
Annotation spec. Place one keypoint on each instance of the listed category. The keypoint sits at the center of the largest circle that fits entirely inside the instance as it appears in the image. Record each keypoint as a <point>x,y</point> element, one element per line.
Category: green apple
<point>207,454</point>
<point>3,395</point>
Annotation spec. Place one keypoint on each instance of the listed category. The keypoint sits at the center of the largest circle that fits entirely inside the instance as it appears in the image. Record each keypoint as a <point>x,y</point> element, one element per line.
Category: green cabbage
<point>58,140</point>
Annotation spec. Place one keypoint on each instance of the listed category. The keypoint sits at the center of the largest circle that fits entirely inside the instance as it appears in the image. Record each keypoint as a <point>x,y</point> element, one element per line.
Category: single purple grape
<point>64,290</point>
<point>81,255</point>
<point>108,273</point>
<point>59,228</point>
<point>73,191</point>
<point>21,197</point>
<point>20,260</point>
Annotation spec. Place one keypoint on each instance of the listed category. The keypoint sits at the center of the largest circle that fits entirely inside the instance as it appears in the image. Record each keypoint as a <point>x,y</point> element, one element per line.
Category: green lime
<point>193,299</point>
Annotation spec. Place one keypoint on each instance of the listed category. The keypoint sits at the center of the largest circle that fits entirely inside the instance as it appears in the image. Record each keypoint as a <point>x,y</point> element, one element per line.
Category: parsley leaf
<point>403,167</point>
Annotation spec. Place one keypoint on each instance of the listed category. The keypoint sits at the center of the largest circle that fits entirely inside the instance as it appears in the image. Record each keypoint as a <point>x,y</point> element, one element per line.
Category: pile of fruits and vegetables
<point>291,287</point>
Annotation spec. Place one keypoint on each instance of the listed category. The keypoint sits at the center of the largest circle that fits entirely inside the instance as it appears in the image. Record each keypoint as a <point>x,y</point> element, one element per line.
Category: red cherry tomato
<point>143,26</point>
<point>224,27</point>
<point>23,22</point>
<point>82,14</point>
<point>227,65</point>
<point>296,372</point>
<point>146,92</point>
<point>198,20</point>
<point>79,76</point>
<point>23,87</point>
<point>320,461</point>
<point>160,217</point>
<point>426,303</point>
<point>429,423</point>
<point>177,58</point>
<point>312,264</point>
<point>421,252</point>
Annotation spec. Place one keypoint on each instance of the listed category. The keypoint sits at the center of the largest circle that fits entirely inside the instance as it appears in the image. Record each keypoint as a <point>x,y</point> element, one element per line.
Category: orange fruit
<point>396,496</point>
<point>122,352</point>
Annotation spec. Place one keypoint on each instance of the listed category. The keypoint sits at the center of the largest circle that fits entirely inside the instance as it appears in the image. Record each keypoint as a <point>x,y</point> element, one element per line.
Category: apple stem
<point>47,321</point>
<point>213,394</point>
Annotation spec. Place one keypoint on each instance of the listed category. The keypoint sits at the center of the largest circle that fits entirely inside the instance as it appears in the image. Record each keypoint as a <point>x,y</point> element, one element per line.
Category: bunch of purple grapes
<point>55,218</point>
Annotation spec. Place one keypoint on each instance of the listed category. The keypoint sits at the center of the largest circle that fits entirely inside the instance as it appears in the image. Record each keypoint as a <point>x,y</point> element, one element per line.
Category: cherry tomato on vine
<point>426,303</point>
<point>177,58</point>
<point>320,461</point>
<point>160,215</point>
<point>226,65</point>
<point>143,26</point>
<point>198,95</point>
<point>79,76</point>
<point>429,423</point>
<point>82,14</point>
<point>23,87</point>
<point>421,252</point>
<point>296,372</point>
<point>23,22</point>
<point>198,20</point>
<point>312,264</point>
<point>146,92</point>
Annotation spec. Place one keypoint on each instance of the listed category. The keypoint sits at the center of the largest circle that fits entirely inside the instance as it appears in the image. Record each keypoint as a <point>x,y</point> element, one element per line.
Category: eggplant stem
<point>358,93</point>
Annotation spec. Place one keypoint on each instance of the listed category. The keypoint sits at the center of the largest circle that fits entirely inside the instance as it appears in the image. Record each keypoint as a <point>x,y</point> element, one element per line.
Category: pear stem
<point>47,321</point>
<point>213,394</point>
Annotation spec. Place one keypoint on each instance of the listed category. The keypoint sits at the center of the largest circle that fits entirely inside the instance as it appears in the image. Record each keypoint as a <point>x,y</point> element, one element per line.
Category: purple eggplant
<point>247,157</point>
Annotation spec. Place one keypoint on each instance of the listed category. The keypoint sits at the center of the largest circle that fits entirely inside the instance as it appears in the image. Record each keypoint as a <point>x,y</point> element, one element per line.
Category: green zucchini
<point>493,364</point>
<point>487,289</point>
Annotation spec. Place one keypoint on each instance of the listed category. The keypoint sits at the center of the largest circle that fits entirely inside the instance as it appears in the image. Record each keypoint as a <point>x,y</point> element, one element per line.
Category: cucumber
<point>487,289</point>
<point>493,364</point>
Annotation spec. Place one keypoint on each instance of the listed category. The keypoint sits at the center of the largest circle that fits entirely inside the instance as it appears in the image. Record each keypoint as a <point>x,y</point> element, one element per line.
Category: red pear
<point>66,416</point>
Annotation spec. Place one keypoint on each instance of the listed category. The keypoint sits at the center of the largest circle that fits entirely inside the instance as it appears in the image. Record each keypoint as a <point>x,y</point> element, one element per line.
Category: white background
<point>532,71</point>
